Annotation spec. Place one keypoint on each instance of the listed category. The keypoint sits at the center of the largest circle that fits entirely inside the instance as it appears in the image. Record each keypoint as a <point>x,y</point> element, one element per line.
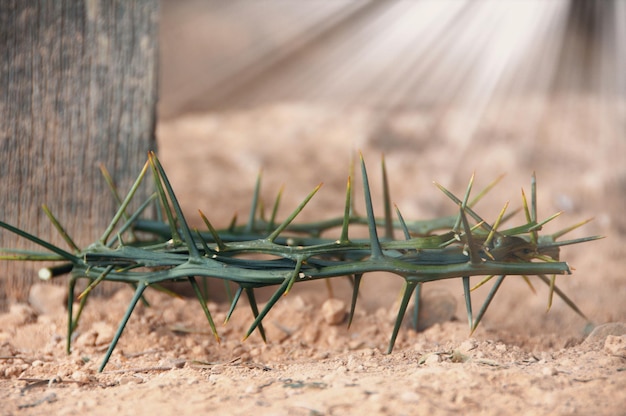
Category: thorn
<point>376,250</point>
<point>387,202</point>
<point>293,215</point>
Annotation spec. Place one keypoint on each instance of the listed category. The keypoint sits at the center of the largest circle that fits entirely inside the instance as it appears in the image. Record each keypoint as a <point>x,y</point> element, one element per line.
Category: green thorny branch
<point>443,248</point>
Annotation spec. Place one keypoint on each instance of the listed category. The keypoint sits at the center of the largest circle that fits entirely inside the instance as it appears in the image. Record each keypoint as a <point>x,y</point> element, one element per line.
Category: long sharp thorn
<point>216,237</point>
<point>526,208</point>
<point>95,282</point>
<point>57,250</point>
<point>233,303</point>
<point>262,216</point>
<point>464,204</point>
<point>468,300</point>
<point>376,250</point>
<point>60,229</point>
<point>122,209</point>
<point>387,203</point>
<point>166,291</point>
<point>482,282</point>
<point>131,220</point>
<point>205,308</point>
<point>233,223</point>
<point>255,203</point>
<point>329,288</point>
<point>488,300</point>
<point>495,225</point>
<point>293,215</point>
<point>191,245</point>
<point>533,208</point>
<point>530,285</point>
<point>272,220</point>
<point>488,188</point>
<point>138,293</point>
<point>269,305</point>
<point>551,293</point>
<point>570,228</point>
<point>418,287</point>
<point>295,274</point>
<point>205,246</point>
<point>164,201</point>
<point>565,298</point>
<point>457,201</point>
<point>70,313</point>
<point>471,243</point>
<point>351,173</point>
<point>355,294</point>
<point>255,312</point>
<point>346,213</point>
<point>570,242</point>
<point>405,228</point>
<point>533,197</point>
<point>116,195</point>
<point>109,181</point>
<point>538,226</point>
<point>409,287</point>
<point>416,306</point>
<point>81,306</point>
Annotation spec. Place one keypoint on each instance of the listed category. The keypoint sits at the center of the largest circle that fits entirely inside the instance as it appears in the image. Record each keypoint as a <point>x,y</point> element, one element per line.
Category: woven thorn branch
<point>460,246</point>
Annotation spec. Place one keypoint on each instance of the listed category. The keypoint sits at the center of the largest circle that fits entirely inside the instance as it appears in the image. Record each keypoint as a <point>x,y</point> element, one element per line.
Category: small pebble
<point>130,379</point>
<point>80,376</point>
<point>410,397</point>
<point>468,345</point>
<point>432,359</point>
<point>334,311</point>
<point>597,338</point>
<point>251,389</point>
<point>19,314</point>
<point>47,298</point>
<point>615,345</point>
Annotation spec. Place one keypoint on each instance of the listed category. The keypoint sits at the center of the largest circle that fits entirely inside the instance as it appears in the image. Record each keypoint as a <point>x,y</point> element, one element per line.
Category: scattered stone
<point>37,363</point>
<point>458,357</point>
<point>130,379</point>
<point>615,345</point>
<point>47,299</point>
<point>597,338</point>
<point>468,345</point>
<point>86,339</point>
<point>410,397</point>
<point>334,311</point>
<point>99,333</point>
<point>431,359</point>
<point>80,376</point>
<point>298,304</point>
<point>19,314</point>
<point>7,349</point>
<point>104,331</point>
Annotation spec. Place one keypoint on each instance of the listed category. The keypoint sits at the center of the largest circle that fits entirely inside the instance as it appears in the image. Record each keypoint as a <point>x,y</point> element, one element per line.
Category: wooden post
<point>78,87</point>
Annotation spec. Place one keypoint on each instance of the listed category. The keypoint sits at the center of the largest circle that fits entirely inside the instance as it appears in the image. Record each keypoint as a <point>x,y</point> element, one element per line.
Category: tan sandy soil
<point>521,360</point>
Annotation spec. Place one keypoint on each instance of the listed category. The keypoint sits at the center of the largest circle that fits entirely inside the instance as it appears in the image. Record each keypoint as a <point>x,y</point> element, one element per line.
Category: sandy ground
<point>521,360</point>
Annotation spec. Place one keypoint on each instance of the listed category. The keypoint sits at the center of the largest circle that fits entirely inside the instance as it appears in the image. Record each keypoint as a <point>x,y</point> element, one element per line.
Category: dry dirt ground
<point>521,360</point>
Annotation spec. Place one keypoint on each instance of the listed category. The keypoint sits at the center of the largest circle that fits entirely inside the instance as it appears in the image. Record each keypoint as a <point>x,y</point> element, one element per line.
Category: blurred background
<point>390,55</point>
<point>443,88</point>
